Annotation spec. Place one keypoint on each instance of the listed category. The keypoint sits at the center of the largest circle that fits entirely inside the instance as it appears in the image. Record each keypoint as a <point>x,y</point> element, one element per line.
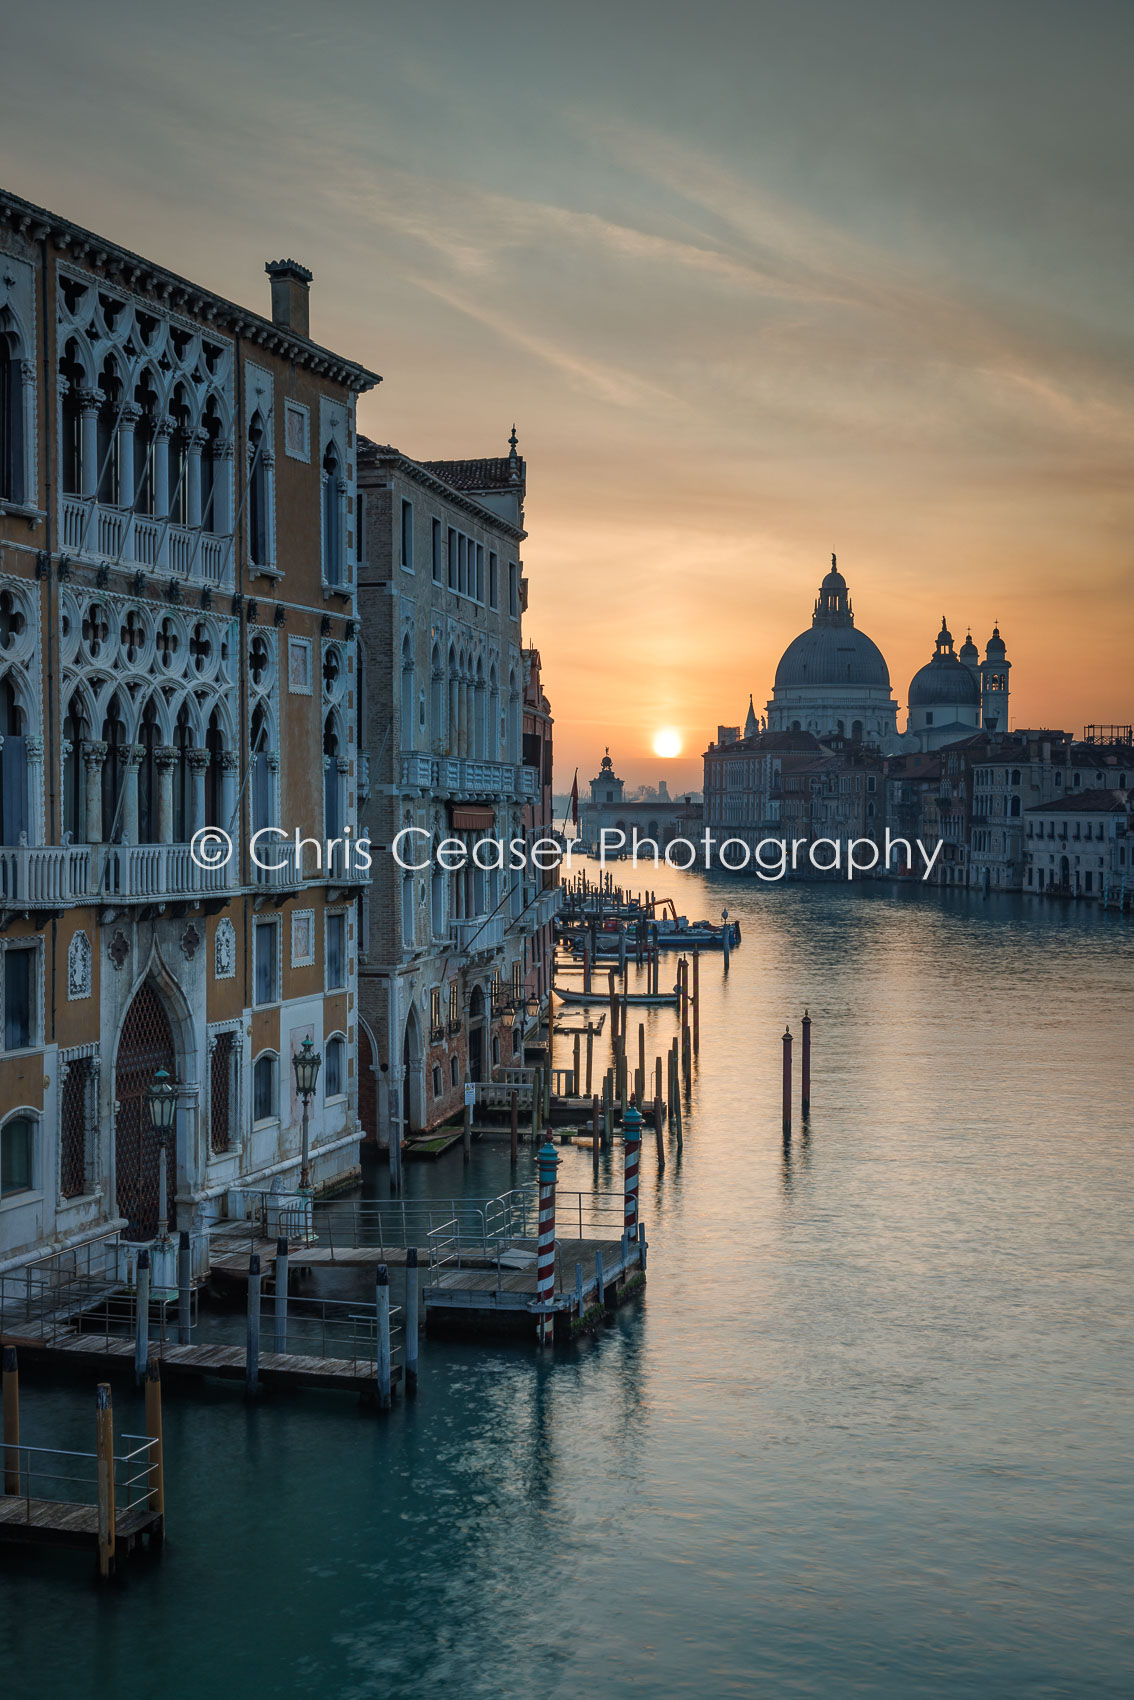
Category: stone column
<point>94,754</point>
<point>166,758</point>
<point>130,799</point>
<point>198,765</point>
<point>197,441</point>
<point>224,456</point>
<point>131,414</point>
<point>229,765</point>
<point>89,401</point>
<point>163,430</point>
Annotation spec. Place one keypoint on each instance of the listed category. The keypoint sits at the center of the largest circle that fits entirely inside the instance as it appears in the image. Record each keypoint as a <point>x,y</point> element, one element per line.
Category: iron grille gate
<point>145,1046</point>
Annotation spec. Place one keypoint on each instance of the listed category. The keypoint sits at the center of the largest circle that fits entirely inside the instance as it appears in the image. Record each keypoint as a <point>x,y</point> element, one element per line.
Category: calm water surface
<point>867,1433</point>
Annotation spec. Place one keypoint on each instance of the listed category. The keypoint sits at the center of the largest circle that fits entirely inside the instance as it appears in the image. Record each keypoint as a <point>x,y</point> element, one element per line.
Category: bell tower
<point>994,670</point>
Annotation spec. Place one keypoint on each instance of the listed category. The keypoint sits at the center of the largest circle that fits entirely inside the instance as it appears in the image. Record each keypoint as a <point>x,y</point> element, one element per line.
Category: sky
<point>755,282</point>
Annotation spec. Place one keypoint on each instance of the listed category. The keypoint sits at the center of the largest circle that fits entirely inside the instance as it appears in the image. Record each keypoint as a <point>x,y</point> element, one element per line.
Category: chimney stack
<point>291,292</point>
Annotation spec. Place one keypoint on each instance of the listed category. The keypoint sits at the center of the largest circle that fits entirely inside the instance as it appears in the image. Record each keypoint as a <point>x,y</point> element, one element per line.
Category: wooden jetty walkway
<point>123,1493</point>
<point>591,1277</point>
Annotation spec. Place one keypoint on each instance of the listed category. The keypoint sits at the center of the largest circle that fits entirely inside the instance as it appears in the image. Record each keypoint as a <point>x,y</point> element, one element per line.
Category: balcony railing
<point>93,531</point>
<point>156,872</point>
<point>480,933</point>
<point>44,875</point>
<point>464,778</point>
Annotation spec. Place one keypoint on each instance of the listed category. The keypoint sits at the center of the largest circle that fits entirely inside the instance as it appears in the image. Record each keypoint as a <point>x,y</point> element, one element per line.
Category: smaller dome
<point>995,645</point>
<point>968,652</point>
<point>834,581</point>
<point>941,681</point>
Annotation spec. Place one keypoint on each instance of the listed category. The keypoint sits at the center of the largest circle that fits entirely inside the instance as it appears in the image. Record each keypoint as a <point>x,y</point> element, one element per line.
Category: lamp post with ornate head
<point>163,1114</point>
<point>307,1062</point>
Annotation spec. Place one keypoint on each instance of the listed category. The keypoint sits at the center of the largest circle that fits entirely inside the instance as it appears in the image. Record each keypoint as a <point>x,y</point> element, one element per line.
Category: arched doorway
<point>145,1045</point>
<point>413,1078</point>
<point>476,1034</point>
<point>367,1086</point>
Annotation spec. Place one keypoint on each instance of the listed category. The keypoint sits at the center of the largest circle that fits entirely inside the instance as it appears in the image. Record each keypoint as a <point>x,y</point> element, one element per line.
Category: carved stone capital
<point>199,759</point>
<point>94,752</point>
<point>165,755</point>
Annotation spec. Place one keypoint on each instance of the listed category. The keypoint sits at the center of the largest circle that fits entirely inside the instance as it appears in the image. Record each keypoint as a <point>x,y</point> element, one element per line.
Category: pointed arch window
<point>259,495</point>
<point>13,767</point>
<point>11,421</point>
<point>106,434</point>
<point>262,800</point>
<point>145,398</point>
<point>334,488</point>
<point>76,732</point>
<point>178,450</point>
<point>332,781</point>
<point>71,422</point>
<point>408,694</point>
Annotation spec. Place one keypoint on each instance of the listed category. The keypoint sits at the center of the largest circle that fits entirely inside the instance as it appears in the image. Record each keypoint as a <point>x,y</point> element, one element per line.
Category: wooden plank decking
<point>67,1523</point>
<point>515,1289</point>
<point>224,1361</point>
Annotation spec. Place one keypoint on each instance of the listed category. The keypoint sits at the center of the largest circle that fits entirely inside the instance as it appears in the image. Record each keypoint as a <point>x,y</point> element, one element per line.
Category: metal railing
<point>34,1466</point>
<point>46,1294</point>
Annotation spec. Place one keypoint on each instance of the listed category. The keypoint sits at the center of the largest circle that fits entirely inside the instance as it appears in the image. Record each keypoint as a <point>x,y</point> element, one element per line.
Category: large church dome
<point>834,651</point>
<point>832,679</point>
<point>832,655</point>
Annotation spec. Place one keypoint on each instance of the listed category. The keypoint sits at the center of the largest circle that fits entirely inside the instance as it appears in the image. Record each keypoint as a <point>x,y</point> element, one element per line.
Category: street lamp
<point>307,1063</point>
<point>163,1113</point>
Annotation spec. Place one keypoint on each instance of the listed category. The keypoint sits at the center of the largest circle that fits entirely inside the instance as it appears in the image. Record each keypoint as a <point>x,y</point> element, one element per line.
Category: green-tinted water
<point>867,1433</point>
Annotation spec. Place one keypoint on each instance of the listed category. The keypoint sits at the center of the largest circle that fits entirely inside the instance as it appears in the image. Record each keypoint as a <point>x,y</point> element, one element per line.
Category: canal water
<point>867,1433</point>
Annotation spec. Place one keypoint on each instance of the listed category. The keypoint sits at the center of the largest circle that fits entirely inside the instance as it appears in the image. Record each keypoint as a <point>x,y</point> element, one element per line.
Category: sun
<point>667,742</point>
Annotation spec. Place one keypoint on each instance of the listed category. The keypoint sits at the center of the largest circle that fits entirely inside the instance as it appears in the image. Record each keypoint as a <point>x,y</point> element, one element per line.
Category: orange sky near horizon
<point>864,289</point>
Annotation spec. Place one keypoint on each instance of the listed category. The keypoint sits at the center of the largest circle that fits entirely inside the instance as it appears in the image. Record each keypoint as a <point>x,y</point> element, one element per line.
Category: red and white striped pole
<point>547,1163</point>
<point>632,1141</point>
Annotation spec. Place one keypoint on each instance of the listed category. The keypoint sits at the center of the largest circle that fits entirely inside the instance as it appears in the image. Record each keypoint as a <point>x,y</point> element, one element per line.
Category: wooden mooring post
<point>805,1068</point>
<point>577,1070</point>
<point>412,1301</point>
<point>596,1136</point>
<point>11,1379</point>
<point>156,1497</point>
<point>590,1055</point>
<point>787,1082</point>
<point>141,1315</point>
<point>696,999</point>
<point>514,1119</point>
<point>104,1453</point>
<point>184,1289</point>
<point>382,1328</point>
<point>252,1339</point>
<point>279,1344</point>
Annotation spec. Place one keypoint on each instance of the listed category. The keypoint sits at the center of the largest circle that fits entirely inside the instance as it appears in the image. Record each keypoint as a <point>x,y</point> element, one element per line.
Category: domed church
<point>957,694</point>
<point>832,679</point>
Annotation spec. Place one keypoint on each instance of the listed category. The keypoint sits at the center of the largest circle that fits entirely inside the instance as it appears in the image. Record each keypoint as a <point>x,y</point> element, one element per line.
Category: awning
<point>473,820</point>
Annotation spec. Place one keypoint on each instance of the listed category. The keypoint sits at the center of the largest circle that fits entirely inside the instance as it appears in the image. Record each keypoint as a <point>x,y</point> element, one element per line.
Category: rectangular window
<point>513,590</point>
<point>454,1007</point>
<point>76,1123</point>
<point>333,1078</point>
<point>19,999</point>
<point>437,551</point>
<point>452,559</point>
<point>266,961</point>
<point>407,536</point>
<point>335,944</point>
<point>493,579</point>
<point>360,529</point>
<point>222,1093</point>
<point>462,563</point>
<point>435,1028</point>
<point>479,571</point>
<point>17,1152</point>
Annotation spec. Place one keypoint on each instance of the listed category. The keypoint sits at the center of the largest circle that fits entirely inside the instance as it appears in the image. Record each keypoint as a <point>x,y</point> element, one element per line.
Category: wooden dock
<point>503,1299</point>
<point>62,1523</point>
<point>201,1362</point>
